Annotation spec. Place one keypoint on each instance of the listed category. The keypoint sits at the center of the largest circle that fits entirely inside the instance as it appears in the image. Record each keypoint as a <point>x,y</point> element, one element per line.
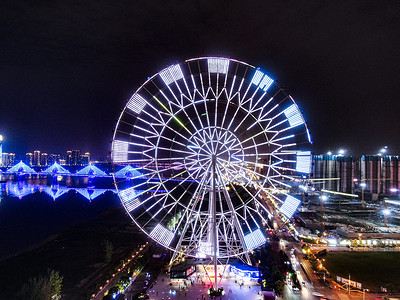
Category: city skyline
<point>67,70</point>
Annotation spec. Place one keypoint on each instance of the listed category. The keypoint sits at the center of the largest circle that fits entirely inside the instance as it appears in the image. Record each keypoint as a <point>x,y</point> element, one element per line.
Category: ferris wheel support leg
<point>196,201</point>
<point>214,222</point>
<point>236,224</point>
<point>173,258</point>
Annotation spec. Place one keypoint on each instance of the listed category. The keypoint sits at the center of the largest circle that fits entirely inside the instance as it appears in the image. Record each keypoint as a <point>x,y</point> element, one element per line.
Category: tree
<point>42,287</point>
<point>55,282</point>
<point>108,251</point>
<point>279,286</point>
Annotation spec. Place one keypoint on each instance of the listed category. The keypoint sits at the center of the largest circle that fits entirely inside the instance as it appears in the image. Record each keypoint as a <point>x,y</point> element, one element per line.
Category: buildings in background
<point>7,159</point>
<point>374,174</point>
<point>42,159</point>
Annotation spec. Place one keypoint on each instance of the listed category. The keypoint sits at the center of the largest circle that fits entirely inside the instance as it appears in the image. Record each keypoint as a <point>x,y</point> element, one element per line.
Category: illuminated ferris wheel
<point>215,145</point>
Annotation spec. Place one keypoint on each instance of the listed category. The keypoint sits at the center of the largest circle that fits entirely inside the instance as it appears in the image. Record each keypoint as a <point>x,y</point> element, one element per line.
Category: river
<point>33,210</point>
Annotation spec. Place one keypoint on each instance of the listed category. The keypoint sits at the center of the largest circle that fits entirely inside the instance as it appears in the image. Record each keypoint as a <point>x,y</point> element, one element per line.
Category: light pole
<point>363,185</point>
<point>364,292</point>
<point>322,198</point>
<point>349,283</point>
<point>385,212</point>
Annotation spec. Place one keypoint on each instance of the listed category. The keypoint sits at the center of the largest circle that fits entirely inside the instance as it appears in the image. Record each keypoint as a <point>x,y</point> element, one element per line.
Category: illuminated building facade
<point>380,173</point>
<point>341,170</point>
<point>44,159</point>
<point>36,158</point>
<point>29,159</point>
<point>374,173</point>
<point>53,158</point>
<point>85,159</point>
<point>8,159</point>
<point>74,158</point>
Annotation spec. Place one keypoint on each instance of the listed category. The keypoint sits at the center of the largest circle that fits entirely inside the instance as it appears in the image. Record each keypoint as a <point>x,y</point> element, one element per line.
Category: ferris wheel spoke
<point>189,213</point>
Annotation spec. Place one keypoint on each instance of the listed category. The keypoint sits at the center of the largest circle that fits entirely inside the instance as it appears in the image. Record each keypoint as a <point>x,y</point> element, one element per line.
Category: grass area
<point>372,269</point>
<point>77,253</point>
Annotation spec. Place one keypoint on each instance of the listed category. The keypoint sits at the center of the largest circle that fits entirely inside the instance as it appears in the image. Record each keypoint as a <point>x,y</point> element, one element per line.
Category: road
<point>147,278</point>
<point>111,282</point>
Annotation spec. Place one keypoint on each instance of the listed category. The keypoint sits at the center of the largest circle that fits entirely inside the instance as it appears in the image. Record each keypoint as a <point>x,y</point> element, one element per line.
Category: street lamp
<point>323,198</point>
<point>363,185</point>
<point>386,212</point>
<point>364,292</point>
<point>383,150</point>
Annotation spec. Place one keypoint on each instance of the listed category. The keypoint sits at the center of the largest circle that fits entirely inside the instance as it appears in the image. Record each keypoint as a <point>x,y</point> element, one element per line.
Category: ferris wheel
<point>215,145</point>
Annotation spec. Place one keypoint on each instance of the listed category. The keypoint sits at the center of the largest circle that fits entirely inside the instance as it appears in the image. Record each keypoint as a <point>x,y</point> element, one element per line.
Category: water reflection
<point>20,189</point>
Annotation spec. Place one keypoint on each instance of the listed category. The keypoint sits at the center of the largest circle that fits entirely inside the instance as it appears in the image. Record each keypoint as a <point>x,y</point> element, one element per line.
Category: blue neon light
<point>261,80</point>
<point>91,170</point>
<point>303,162</point>
<point>289,206</point>
<point>56,169</point>
<point>21,168</point>
<point>293,115</point>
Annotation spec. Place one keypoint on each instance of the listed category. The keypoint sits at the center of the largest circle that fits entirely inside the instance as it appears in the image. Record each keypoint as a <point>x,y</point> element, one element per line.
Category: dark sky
<point>67,67</point>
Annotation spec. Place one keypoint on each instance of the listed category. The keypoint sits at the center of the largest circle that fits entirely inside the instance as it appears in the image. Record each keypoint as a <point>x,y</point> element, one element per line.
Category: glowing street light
<point>341,152</point>
<point>385,212</point>
<point>329,153</point>
<point>324,197</point>
<point>383,150</point>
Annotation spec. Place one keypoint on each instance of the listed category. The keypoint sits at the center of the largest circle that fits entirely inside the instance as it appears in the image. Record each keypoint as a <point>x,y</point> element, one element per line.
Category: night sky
<point>68,67</point>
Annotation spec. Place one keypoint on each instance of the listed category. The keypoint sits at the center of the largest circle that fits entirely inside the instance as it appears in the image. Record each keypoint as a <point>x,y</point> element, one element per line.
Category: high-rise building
<point>8,159</point>
<point>374,174</point>
<point>44,157</point>
<point>29,159</point>
<point>36,158</point>
<point>74,157</point>
<point>53,158</point>
<point>338,170</point>
<point>379,173</point>
<point>69,158</point>
<point>85,159</point>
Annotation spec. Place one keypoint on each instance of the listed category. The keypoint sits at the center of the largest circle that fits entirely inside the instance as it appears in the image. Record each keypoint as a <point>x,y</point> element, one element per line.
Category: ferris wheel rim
<point>173,116</point>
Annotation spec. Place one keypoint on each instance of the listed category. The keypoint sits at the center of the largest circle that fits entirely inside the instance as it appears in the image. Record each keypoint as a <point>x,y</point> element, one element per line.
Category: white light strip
<point>263,81</point>
<point>254,239</point>
<point>289,206</point>
<point>162,235</point>
<point>293,115</point>
<point>136,103</point>
<point>120,151</point>
<point>171,74</point>
<point>309,136</point>
<point>205,248</point>
<point>129,199</point>
<point>303,162</point>
<point>258,75</point>
<point>218,65</point>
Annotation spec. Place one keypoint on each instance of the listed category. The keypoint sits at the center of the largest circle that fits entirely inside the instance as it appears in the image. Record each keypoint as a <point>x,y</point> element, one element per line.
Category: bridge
<point>21,169</point>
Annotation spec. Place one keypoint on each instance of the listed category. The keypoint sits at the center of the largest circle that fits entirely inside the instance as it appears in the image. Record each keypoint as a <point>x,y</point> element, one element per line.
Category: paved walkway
<point>196,290</point>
